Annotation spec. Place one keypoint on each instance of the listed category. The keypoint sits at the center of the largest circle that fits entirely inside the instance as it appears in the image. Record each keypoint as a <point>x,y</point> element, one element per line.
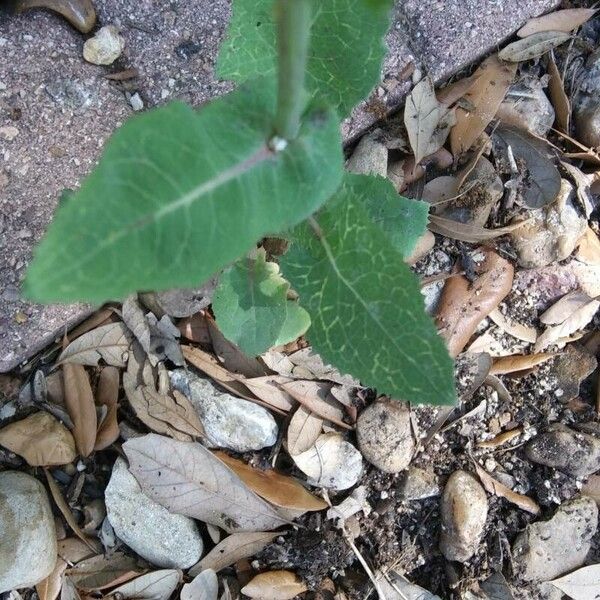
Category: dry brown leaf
<point>100,572</point>
<point>108,395</point>
<point>100,317</point>
<point>188,479</point>
<point>275,585</point>
<point>310,365</point>
<point>532,46</point>
<point>79,401</point>
<point>466,232</point>
<point>561,20</point>
<point>303,430</point>
<point>456,90</point>
<point>522,332</point>
<point>501,438</point>
<point>40,439</point>
<point>62,505</point>
<point>172,415</point>
<point>498,489</point>
<point>562,333</point>
<point>68,590</point>
<point>519,362</point>
<point>195,329</point>
<point>233,548</point>
<point>493,80</point>
<point>441,190</point>
<point>496,384</point>
<point>268,389</point>
<point>205,586</point>
<point>135,318</point>
<point>589,248</point>
<point>558,96</point>
<point>315,396</point>
<point>108,342</point>
<point>464,305</point>
<point>158,585</point>
<point>564,307</point>
<point>72,550</point>
<point>49,588</point>
<point>274,487</point>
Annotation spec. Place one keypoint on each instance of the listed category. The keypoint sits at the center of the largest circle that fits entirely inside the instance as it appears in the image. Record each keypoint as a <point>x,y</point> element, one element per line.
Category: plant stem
<point>293,31</point>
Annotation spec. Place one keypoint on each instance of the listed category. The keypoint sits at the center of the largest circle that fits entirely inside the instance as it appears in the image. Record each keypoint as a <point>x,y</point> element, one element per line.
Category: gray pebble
<point>418,484</point>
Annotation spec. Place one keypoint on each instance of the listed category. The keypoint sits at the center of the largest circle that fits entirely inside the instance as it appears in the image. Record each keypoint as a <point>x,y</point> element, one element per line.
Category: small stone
<point>552,233</point>
<point>9,133</point>
<point>27,533</point>
<point>370,157</point>
<point>419,484</point>
<point>464,512</point>
<point>384,435</point>
<point>105,47</point>
<point>572,452</point>
<point>165,539</point>
<point>571,367</point>
<point>547,549</point>
<point>229,422</point>
<point>136,102</point>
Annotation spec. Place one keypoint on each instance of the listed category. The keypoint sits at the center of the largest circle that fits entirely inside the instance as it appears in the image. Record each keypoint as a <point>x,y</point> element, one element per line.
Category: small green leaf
<point>180,194</point>
<point>402,220</point>
<point>252,309</point>
<point>345,54</point>
<point>366,305</point>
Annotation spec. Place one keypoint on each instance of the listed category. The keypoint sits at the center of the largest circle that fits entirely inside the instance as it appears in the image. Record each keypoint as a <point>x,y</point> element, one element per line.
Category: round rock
<point>384,435</point>
<point>162,538</point>
<point>464,512</point>
<point>27,533</point>
<point>105,47</point>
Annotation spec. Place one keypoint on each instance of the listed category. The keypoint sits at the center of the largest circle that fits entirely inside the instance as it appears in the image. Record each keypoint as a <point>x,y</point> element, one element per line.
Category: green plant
<point>180,195</point>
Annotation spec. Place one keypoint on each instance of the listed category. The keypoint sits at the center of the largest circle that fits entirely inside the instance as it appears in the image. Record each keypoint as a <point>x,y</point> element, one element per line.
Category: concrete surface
<point>56,111</point>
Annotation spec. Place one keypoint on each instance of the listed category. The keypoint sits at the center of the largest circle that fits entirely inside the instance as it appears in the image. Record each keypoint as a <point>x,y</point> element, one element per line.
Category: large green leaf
<point>345,54</point>
<point>367,311</point>
<point>252,309</point>
<point>180,194</point>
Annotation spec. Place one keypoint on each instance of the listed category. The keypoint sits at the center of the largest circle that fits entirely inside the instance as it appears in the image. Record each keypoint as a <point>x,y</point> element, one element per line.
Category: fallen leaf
<point>564,308</point>
<point>274,585</point>
<point>310,365</point>
<point>40,439</point>
<point>79,401</point>
<point>158,585</point>
<point>427,120</point>
<point>195,328</point>
<point>233,548</point>
<point>493,80</point>
<point>456,90</point>
<point>519,362</point>
<point>68,590</point>
<point>532,46</point>
<point>72,550</point>
<point>49,588</point>
<point>582,584</point>
<point>109,342</point>
<point>394,586</point>
<point>269,390</point>
<point>558,96</point>
<point>499,489</point>
<point>101,317</point>
<point>101,572</point>
<point>108,395</point>
<point>164,342</point>
<point>583,184</point>
<point>501,438</point>
<point>561,20</point>
<point>183,302</point>
<point>466,232</point>
<point>188,479</point>
<point>303,430</point>
<point>204,586</point>
<point>135,319</point>
<point>278,489</point>
<point>464,305</point>
<point>354,503</point>
<point>522,332</point>
<point>589,248</point>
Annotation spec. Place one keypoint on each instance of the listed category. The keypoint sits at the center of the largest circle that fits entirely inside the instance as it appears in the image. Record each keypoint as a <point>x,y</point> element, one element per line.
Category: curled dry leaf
<point>493,80</point>
<point>275,585</point>
<point>233,548</point>
<point>532,46</point>
<point>158,585</point>
<point>164,342</point>
<point>517,363</point>
<point>499,489</point>
<point>109,342</point>
<point>501,438</point>
<point>303,430</point>
<point>278,489</point>
<point>72,550</point>
<point>188,479</point>
<point>466,232</point>
<point>561,20</point>
<point>464,305</point>
<point>79,400</point>
<point>172,415</point>
<point>49,588</point>
<point>204,586</point>
<point>589,248</point>
<point>101,572</point>
<point>522,332</point>
<point>40,439</point>
<point>565,307</point>
<point>135,319</point>
<point>195,329</point>
<point>310,365</point>
<point>558,96</point>
<point>269,390</point>
<point>108,395</point>
<point>456,90</point>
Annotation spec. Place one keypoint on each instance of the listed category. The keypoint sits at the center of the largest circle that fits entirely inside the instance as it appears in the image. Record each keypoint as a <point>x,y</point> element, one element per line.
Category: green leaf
<point>252,309</point>
<point>345,54</point>
<point>180,194</point>
<point>366,305</point>
<point>402,220</point>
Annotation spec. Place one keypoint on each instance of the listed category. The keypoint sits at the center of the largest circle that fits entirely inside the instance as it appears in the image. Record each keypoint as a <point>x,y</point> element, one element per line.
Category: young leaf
<point>368,311</point>
<point>345,54</point>
<point>182,194</point>
<point>251,306</point>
